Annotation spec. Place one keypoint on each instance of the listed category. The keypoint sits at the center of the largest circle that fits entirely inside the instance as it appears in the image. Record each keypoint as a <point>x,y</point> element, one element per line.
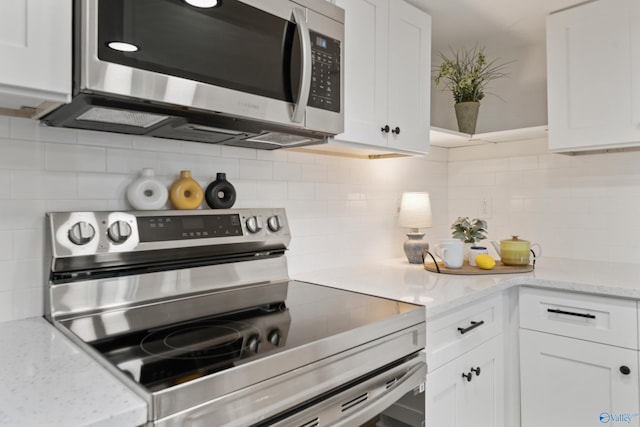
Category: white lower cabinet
<point>578,359</point>
<point>468,391</point>
<point>567,382</point>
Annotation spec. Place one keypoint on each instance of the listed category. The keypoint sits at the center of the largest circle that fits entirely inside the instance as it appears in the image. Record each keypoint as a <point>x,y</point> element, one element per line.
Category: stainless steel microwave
<point>254,73</point>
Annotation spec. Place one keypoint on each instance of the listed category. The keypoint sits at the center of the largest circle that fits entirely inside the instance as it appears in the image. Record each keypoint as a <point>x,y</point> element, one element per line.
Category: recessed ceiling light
<point>203,3</point>
<point>122,46</point>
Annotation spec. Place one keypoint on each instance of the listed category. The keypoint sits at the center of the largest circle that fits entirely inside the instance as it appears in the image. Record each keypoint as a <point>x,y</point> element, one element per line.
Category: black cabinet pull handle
<point>396,130</point>
<point>385,129</point>
<point>570,313</point>
<point>476,371</point>
<point>624,370</point>
<point>468,376</point>
<point>469,328</point>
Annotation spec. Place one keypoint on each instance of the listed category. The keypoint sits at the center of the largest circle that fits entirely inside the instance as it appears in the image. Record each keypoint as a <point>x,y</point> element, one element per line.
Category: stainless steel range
<point>195,311</point>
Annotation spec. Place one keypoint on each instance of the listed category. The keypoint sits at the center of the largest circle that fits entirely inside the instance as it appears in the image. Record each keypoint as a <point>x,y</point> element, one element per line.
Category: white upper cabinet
<point>387,74</point>
<point>35,47</point>
<point>593,60</point>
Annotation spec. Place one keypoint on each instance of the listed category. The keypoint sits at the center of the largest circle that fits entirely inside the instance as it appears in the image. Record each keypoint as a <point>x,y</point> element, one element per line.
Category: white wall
<point>582,207</point>
<point>342,211</point>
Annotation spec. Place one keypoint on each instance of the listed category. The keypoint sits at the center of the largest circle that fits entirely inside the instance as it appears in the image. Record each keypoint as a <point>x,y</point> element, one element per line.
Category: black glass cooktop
<point>166,355</point>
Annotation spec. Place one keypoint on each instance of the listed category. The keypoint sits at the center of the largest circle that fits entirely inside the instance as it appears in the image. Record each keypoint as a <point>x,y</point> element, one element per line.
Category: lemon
<point>485,262</point>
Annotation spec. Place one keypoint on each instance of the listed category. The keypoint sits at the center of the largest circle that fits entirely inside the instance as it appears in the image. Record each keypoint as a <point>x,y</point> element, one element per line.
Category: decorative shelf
<point>440,137</point>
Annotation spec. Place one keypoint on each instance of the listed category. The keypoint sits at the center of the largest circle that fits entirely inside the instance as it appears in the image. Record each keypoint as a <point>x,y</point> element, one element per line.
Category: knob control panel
<point>81,233</point>
<point>274,223</point>
<point>254,224</point>
<point>119,232</point>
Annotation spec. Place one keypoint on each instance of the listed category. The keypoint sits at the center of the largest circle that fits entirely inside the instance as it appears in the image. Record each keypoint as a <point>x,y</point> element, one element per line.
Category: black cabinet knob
<point>468,376</point>
<point>476,371</point>
<point>396,130</point>
<point>624,370</point>
<point>385,129</point>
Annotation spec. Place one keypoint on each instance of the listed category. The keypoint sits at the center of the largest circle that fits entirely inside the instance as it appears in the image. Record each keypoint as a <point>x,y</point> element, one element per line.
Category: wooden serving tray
<point>467,269</point>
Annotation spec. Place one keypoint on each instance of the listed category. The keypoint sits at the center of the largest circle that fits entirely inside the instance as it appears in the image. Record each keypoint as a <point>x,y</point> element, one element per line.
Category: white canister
<point>147,192</point>
<point>474,251</point>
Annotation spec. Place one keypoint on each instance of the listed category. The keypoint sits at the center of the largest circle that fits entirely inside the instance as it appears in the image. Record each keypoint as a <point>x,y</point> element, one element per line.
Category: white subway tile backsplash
<point>256,169</point>
<point>102,186</point>
<point>6,306</point>
<point>104,139</point>
<point>5,183</point>
<point>130,161</point>
<point>76,205</point>
<point>27,244</point>
<point>314,172</point>
<point>238,152</point>
<point>27,303</point>
<point>21,214</point>
<point>284,171</point>
<point>340,209</point>
<point>6,245</point>
<point>43,185</point>
<point>156,144</point>
<point>523,163</point>
<point>21,154</point>
<point>67,157</point>
<point>5,127</point>
<point>170,165</point>
<point>210,166</point>
<point>301,191</point>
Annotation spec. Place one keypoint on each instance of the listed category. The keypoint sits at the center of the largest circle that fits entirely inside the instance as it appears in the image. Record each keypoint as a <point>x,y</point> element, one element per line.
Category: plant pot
<point>467,115</point>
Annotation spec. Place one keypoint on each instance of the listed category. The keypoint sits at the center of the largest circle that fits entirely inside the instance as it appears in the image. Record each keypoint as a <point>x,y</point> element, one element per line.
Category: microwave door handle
<point>297,110</point>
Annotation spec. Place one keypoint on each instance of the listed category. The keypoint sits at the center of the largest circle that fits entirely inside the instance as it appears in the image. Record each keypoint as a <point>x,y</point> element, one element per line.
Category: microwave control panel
<point>325,78</point>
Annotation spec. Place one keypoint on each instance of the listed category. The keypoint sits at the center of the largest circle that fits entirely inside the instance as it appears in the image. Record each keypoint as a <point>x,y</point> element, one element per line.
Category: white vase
<point>147,192</point>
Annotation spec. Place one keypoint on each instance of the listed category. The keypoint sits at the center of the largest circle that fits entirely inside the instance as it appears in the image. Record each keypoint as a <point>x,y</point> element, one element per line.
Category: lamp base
<point>415,247</point>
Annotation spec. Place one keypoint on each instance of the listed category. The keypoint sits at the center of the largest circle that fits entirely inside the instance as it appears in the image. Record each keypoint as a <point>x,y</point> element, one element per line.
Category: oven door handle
<point>298,109</point>
<point>416,375</point>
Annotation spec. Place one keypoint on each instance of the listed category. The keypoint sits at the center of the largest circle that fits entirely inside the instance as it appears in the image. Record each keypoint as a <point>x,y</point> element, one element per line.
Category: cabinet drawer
<point>455,333</point>
<point>606,320</point>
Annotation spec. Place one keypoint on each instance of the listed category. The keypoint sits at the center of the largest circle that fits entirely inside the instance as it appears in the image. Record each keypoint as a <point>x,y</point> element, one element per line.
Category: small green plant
<point>469,231</point>
<point>467,73</point>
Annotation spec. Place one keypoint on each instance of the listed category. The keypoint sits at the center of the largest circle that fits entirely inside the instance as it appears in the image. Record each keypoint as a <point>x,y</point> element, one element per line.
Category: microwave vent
<point>121,117</point>
<point>281,139</point>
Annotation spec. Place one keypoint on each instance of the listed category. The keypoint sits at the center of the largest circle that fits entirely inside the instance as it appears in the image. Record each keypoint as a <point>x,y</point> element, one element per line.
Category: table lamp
<point>415,213</point>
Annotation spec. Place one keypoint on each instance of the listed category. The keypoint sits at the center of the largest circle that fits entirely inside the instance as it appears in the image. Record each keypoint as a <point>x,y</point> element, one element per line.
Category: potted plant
<point>469,230</point>
<point>466,74</point>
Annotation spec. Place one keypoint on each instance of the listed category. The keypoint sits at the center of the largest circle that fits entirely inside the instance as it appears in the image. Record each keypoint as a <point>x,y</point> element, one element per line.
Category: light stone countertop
<point>397,279</point>
<point>48,381</point>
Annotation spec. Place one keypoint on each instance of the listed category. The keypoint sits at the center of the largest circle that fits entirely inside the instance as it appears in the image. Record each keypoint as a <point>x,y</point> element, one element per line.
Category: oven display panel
<point>164,228</point>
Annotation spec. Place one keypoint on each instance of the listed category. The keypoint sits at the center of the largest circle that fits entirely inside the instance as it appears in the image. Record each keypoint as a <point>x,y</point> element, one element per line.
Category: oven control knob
<point>274,223</point>
<point>274,337</point>
<point>81,233</point>
<point>119,231</point>
<point>254,224</point>
<point>253,342</point>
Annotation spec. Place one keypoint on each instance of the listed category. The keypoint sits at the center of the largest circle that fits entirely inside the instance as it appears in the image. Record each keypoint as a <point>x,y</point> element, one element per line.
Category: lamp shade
<point>415,210</point>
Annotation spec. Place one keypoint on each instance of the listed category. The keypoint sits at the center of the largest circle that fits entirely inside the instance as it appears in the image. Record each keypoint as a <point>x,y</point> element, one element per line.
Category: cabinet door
<point>409,76</point>
<point>570,382</point>
<point>35,47</point>
<point>453,401</point>
<point>593,83</point>
<point>366,64</point>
